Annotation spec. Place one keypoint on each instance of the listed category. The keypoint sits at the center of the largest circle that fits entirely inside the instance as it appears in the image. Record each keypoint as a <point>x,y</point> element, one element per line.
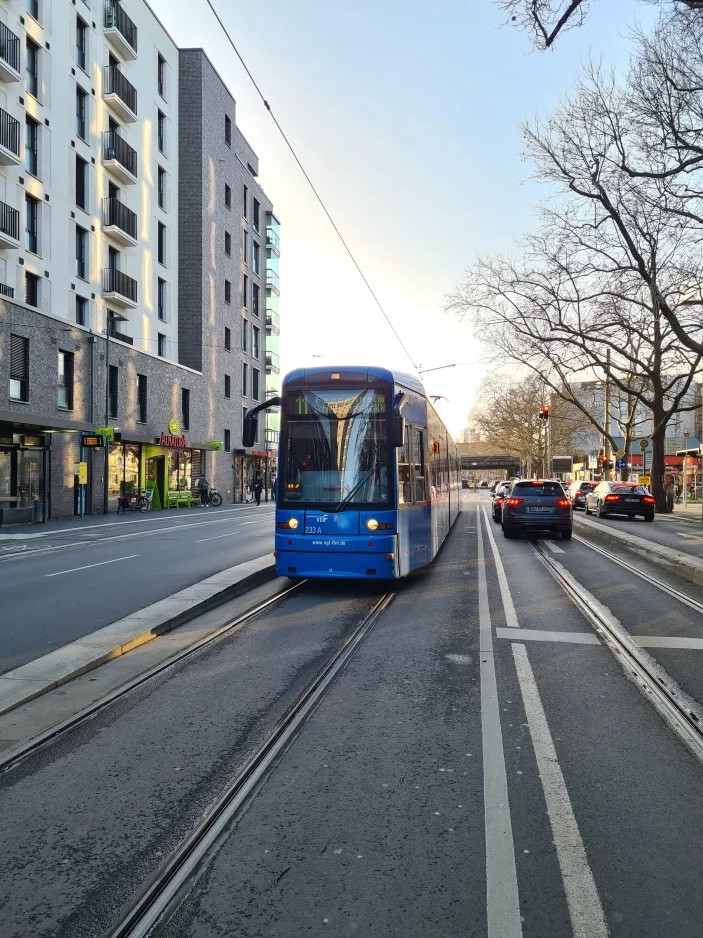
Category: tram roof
<point>397,377</point>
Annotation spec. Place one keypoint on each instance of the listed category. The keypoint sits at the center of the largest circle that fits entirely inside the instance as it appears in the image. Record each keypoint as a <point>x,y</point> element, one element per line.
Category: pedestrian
<point>670,494</point>
<point>204,489</point>
<point>257,488</point>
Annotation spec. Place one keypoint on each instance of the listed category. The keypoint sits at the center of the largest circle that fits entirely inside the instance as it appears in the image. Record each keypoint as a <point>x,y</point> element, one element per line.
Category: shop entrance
<point>156,477</point>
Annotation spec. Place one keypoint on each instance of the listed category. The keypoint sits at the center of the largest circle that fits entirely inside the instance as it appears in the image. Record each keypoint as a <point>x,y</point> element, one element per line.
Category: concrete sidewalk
<point>692,513</point>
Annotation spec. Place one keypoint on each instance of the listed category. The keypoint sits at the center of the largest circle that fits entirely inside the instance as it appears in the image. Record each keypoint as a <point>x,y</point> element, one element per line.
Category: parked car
<point>620,498</point>
<point>499,496</point>
<point>537,505</point>
<point>577,492</point>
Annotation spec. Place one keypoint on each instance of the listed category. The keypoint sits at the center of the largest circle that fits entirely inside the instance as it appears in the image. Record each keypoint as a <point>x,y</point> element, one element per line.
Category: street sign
<point>644,480</point>
<point>108,432</point>
<point>592,461</point>
<point>82,473</point>
<point>92,441</point>
<point>620,453</point>
<point>621,463</point>
<point>644,444</point>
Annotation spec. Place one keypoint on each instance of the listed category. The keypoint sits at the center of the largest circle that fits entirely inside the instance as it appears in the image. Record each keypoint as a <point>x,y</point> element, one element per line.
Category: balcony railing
<point>120,336</point>
<point>7,291</point>
<point>273,321</point>
<point>116,148</point>
<point>9,221</point>
<point>272,363</point>
<point>9,132</point>
<point>272,280</point>
<point>116,213</point>
<point>272,239</point>
<point>116,83</point>
<point>116,18</point>
<point>9,48</point>
<point>115,281</point>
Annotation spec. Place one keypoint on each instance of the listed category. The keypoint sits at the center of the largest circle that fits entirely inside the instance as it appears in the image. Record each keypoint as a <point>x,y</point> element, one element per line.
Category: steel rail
<point>160,898</point>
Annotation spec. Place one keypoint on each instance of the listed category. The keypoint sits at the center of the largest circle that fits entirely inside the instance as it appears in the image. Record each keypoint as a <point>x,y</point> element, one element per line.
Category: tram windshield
<point>335,448</point>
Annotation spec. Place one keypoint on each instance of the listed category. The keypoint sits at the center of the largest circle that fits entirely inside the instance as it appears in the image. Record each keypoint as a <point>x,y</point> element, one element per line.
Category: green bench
<point>182,499</point>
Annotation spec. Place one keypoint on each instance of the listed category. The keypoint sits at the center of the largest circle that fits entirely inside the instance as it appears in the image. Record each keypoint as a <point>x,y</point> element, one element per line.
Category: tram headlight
<point>291,523</point>
<point>372,524</point>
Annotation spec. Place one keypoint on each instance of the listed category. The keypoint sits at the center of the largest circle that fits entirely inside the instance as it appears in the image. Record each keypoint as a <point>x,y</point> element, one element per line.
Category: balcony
<point>9,227</point>
<point>119,222</point>
<point>120,94</point>
<point>272,363</point>
<point>9,55</point>
<point>119,288</point>
<point>119,157</point>
<point>273,241</point>
<point>120,30</point>
<point>9,292</point>
<point>273,281</point>
<point>120,336</point>
<point>9,139</point>
<point>273,322</point>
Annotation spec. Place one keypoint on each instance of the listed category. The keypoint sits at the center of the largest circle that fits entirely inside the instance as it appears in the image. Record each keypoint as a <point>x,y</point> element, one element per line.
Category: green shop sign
<point>215,444</point>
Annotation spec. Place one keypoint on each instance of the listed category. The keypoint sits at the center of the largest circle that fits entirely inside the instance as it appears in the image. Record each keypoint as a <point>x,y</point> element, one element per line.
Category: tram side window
<point>405,493</point>
<point>419,463</point>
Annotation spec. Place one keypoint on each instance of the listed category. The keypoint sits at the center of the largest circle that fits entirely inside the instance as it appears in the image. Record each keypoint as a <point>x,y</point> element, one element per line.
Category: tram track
<point>680,711</point>
<point>163,894</point>
<point>12,757</point>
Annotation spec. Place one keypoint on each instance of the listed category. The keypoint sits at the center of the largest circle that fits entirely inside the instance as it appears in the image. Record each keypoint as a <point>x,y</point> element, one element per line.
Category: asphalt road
<point>680,535</point>
<point>462,777</point>
<point>60,584</point>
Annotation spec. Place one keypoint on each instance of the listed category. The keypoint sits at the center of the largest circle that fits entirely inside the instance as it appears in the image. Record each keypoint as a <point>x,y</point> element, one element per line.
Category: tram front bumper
<point>333,557</point>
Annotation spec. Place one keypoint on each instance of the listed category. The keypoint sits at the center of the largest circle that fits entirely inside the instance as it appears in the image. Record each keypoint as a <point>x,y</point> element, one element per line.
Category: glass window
<point>161,75</point>
<point>81,42</point>
<point>81,183</point>
<point>185,408</point>
<point>257,214</point>
<point>81,107</point>
<point>228,338</point>
<point>228,244</point>
<point>255,383</point>
<point>245,380</point>
<point>65,381</point>
<point>255,295</point>
<point>31,146</point>
<point>256,257</point>
<point>245,247</point>
<point>113,387</point>
<point>245,335</point>
<point>6,490</point>
<point>336,447</point>
<point>81,253</point>
<point>31,289</point>
<point>228,131</point>
<point>161,299</point>
<point>228,196</point>
<point>245,290</point>
<point>33,9</point>
<point>246,200</point>
<point>123,469</point>
<point>81,310</point>
<point>527,489</point>
<point>141,399</point>
<point>162,345</point>
<point>32,70</point>
<point>255,339</point>
<point>31,224</point>
<point>19,368</point>
<point>161,132</point>
<point>180,470</point>
<point>162,187</point>
<point>228,443</point>
<point>419,465</point>
<point>405,495</point>
<point>161,244</point>
<point>228,291</point>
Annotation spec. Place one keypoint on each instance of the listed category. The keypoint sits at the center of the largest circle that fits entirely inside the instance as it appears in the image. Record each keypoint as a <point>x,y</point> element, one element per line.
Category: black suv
<point>577,492</point>
<point>537,505</point>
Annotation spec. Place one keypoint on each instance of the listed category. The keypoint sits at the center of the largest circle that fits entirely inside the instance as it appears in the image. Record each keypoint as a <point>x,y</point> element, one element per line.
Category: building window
<point>19,368</point>
<point>256,257</point>
<point>245,290</point>
<point>162,187</point>
<point>33,9</point>
<point>161,131</point>
<point>255,338</point>
<point>228,338</point>
<point>162,345</point>
<point>31,289</point>
<point>246,200</point>
<point>228,244</point>
<point>228,292</point>
<point>257,214</point>
<point>141,399</point>
<point>185,409</point>
<point>161,299</point>
<point>31,224</point>
<point>228,196</point>
<point>244,414</point>
<point>228,131</point>
<point>245,379</point>
<point>112,388</point>
<point>31,146</point>
<point>81,42</point>
<point>245,335</point>
<point>245,247</point>
<point>64,398</point>
<point>32,71</point>
<point>81,310</point>
<point>255,294</point>
<point>228,442</point>
<point>161,245</point>
<point>81,253</point>
<point>161,75</point>
<point>81,183</point>
<point>228,386</point>
<point>255,383</point>
<point>81,105</point>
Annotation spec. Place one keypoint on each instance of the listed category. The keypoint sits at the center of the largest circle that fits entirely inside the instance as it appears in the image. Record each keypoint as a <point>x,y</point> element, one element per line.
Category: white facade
<point>99,245</point>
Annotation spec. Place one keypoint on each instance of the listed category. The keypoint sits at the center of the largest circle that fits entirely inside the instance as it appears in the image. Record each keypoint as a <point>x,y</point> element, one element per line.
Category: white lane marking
<point>662,641</point>
<point>116,524</point>
<point>101,564</point>
<point>502,897</point>
<point>508,605</point>
<point>232,533</point>
<point>585,909</point>
<point>540,635</point>
<point>691,537</point>
<point>258,521</point>
<point>554,548</point>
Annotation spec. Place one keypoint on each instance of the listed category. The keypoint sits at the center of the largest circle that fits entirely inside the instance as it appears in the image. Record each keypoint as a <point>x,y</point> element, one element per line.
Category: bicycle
<point>134,501</point>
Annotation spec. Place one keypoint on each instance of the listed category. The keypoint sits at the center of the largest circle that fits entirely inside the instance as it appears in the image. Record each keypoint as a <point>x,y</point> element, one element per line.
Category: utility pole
<point>606,440</point>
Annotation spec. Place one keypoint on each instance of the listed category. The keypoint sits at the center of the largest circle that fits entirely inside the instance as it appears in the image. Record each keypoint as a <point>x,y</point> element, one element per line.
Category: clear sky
<point>406,115</point>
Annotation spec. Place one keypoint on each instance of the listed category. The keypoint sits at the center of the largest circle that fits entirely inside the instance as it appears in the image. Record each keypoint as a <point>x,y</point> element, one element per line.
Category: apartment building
<point>92,332</point>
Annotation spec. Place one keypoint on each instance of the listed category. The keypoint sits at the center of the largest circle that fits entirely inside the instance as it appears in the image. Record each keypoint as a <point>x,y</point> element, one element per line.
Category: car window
<point>628,489</point>
<point>587,486</point>
<point>542,488</point>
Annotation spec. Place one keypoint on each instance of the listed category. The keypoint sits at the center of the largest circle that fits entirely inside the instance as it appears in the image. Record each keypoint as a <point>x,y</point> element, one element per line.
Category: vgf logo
<point>321,519</point>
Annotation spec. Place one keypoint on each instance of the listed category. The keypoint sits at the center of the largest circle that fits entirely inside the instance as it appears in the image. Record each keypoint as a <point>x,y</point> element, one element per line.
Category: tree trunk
<point>658,464</point>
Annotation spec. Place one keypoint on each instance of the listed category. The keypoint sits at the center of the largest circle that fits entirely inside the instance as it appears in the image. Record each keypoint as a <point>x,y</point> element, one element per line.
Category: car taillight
<point>562,503</point>
<point>648,499</point>
<point>515,501</point>
<point>612,498</point>
<point>499,499</point>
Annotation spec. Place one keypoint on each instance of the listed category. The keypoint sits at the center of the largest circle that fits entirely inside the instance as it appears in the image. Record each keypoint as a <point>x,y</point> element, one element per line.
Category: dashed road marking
<point>101,564</point>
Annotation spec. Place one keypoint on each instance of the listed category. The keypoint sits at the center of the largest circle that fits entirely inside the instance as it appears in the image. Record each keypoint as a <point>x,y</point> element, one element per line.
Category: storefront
<point>246,466</point>
<point>24,471</point>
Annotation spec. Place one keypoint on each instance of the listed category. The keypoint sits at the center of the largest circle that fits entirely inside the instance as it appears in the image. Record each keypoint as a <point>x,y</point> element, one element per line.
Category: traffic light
<point>603,459</point>
<point>544,413</point>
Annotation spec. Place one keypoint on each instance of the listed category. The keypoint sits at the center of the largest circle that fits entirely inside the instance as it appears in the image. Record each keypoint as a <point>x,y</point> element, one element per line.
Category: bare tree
<point>544,20</point>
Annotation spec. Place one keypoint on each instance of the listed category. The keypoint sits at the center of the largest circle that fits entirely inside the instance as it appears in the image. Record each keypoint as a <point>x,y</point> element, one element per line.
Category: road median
<point>70,661</point>
<point>684,565</point>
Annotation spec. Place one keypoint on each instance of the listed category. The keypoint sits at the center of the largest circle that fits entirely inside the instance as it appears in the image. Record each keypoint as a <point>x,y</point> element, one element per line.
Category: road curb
<point>683,565</point>
<point>38,677</point>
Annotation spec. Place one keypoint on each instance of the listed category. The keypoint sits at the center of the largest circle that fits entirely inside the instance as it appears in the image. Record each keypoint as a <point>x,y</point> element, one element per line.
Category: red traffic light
<point>544,413</point>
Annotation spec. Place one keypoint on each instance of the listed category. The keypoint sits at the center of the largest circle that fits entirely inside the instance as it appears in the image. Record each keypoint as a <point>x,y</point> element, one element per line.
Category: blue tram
<point>369,479</point>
